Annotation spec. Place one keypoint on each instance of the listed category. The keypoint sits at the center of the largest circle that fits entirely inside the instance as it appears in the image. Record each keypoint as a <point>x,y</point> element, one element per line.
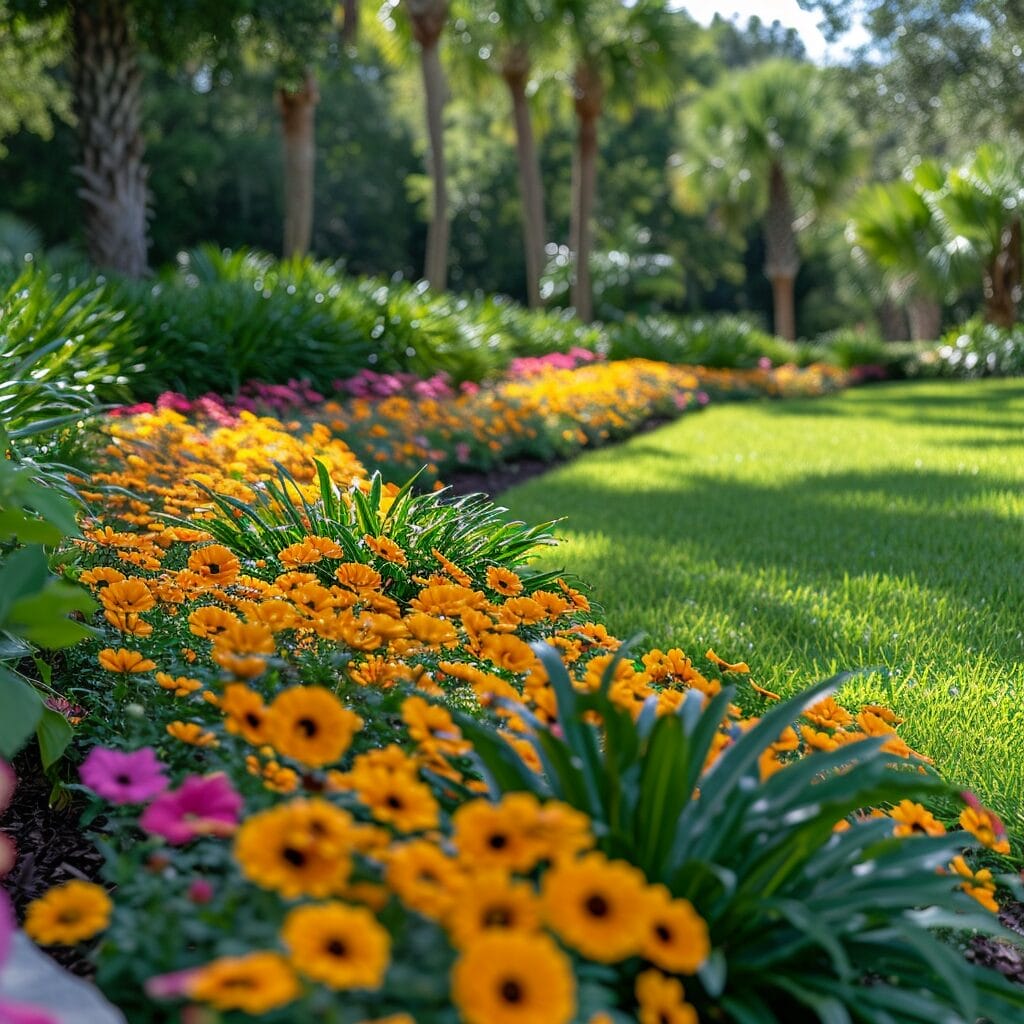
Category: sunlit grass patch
<point>877,528</point>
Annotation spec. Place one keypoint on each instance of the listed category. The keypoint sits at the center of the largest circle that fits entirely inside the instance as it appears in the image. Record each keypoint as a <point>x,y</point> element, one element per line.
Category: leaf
<point>54,734</point>
<point>22,709</point>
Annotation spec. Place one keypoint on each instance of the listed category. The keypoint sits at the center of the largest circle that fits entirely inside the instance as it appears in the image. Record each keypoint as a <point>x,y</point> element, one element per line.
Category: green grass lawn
<point>880,527</point>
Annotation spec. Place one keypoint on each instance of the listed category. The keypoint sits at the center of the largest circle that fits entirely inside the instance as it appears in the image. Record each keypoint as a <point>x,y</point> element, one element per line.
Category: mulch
<point>52,848</point>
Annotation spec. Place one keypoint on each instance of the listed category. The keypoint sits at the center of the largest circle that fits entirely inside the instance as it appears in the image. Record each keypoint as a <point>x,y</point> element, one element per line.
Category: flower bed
<point>356,761</point>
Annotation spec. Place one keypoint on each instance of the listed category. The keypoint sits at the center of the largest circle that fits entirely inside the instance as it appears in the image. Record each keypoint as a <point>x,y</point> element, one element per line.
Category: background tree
<point>30,96</point>
<point>980,205</point>
<point>894,227</point>
<point>772,144</point>
<point>508,37</point>
<point>618,51</point>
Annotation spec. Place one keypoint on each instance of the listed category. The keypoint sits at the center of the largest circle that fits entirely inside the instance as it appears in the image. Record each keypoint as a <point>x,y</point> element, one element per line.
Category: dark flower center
<point>337,948</point>
<point>308,727</point>
<point>597,906</point>
<point>394,802</point>
<point>511,991</point>
<point>497,917</point>
<point>294,857</point>
<point>663,933</point>
<point>214,567</point>
<point>497,841</point>
<point>124,779</point>
<point>253,719</point>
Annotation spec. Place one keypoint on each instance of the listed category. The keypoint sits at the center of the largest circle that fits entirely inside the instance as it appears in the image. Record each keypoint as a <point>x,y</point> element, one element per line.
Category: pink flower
<point>170,986</point>
<point>124,777</point>
<point>200,891</point>
<point>8,854</point>
<point>8,780</point>
<point>201,805</point>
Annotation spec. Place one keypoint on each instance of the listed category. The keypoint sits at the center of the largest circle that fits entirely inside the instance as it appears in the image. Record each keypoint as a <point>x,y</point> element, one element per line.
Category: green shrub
<point>34,606</point>
<point>722,341</point>
<point>978,349</point>
<point>63,347</point>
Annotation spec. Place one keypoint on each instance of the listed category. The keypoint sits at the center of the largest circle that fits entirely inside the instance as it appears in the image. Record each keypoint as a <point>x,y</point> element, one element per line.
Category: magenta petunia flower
<point>8,855</point>
<point>124,778</point>
<point>8,781</point>
<point>201,805</point>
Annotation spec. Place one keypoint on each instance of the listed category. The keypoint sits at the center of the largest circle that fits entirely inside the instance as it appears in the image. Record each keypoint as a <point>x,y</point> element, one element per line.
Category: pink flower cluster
<point>532,366</point>
<point>255,396</point>
<point>201,805</point>
<point>371,384</point>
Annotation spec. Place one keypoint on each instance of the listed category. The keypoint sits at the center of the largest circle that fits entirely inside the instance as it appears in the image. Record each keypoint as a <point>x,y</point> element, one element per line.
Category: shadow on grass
<point>920,525</point>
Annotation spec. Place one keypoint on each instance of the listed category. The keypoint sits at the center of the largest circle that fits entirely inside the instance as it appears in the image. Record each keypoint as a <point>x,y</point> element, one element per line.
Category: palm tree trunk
<point>892,320</point>
<point>782,258</point>
<point>349,22</point>
<point>107,90</point>
<point>1002,279</point>
<point>298,109</point>
<point>925,315</point>
<point>428,19</point>
<point>516,71</point>
<point>589,102</point>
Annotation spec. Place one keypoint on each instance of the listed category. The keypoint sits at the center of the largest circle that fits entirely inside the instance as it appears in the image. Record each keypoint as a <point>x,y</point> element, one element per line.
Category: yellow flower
<point>423,878</point>
<point>68,913</point>
<point>125,661</point>
<point>492,900</point>
<point>986,828</point>
<point>337,945</point>
<point>507,651</point>
<point>978,884</point>
<point>256,983</point>
<point>498,835</point>
<point>309,724</point>
<point>677,937</point>
<point>397,799</point>
<point>246,713</point>
<point>913,819</point>
<point>432,726</point>
<point>514,978</point>
<point>661,1000</point>
<point>597,906</point>
<point>192,733</point>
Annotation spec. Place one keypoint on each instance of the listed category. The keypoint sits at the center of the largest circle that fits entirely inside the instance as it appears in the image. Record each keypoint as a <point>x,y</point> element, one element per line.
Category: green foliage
<point>978,349</point>
<point>34,604</point>
<point>722,341</point>
<point>63,346</point>
<point>470,531</point>
<point>808,923</point>
<point>779,112</point>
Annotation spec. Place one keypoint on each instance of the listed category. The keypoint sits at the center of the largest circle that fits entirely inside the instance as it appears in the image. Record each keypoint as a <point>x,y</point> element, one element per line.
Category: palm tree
<point>510,35</point>
<point>894,227</point>
<point>620,53</point>
<point>980,206</point>
<point>770,143</point>
<point>427,19</point>
<point>297,106</point>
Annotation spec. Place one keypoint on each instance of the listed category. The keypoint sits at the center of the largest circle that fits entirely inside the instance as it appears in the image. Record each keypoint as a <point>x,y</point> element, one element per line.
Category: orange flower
<point>358,577</point>
<point>503,581</point>
<point>215,563</point>
<point>384,547</point>
<point>913,819</point>
<point>508,652</point>
<point>125,661</point>
<point>191,733</point>
<point>181,685</point>
<point>740,666</point>
<point>127,595</point>
<point>986,828</point>
<point>210,621</point>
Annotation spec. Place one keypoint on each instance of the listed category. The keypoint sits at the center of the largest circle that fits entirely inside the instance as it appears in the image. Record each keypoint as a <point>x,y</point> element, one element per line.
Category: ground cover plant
<point>874,528</point>
<point>362,761</point>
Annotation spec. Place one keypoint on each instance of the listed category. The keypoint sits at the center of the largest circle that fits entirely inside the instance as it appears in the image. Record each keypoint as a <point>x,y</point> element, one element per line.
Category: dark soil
<point>1003,956</point>
<point>52,847</point>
